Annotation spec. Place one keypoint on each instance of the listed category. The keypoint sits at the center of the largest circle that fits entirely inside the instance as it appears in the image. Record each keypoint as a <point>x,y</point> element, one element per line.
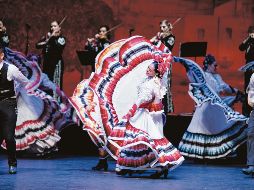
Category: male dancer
<point>11,79</point>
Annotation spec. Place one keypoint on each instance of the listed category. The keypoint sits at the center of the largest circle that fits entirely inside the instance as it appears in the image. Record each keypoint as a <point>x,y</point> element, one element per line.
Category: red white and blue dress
<point>118,84</point>
<point>39,115</point>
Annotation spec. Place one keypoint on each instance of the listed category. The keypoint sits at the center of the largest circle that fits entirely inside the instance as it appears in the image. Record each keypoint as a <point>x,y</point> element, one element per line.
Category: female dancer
<point>214,80</point>
<point>144,144</point>
<point>40,116</point>
<point>129,74</point>
<point>216,130</point>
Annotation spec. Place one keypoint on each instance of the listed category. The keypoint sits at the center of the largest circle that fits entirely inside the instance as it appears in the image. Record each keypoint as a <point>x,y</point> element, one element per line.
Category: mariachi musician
<point>99,42</point>
<point>166,37</point>
<point>52,46</point>
<point>4,38</point>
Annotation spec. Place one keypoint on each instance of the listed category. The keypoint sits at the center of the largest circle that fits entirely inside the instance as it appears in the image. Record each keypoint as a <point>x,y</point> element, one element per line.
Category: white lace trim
<point>151,88</point>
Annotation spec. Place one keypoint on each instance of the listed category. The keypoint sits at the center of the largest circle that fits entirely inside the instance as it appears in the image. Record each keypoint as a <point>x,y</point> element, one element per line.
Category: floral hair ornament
<point>163,62</point>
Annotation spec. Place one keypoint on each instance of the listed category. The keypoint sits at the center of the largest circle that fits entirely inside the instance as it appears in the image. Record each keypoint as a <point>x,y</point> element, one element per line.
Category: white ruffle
<point>151,88</point>
<point>152,123</point>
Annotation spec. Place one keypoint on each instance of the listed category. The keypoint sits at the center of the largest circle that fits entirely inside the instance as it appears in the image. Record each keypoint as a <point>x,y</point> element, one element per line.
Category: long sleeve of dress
<point>223,86</point>
<point>145,95</point>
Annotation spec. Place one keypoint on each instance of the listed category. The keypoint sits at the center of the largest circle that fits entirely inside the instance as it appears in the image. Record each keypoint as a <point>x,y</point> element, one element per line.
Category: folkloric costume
<point>216,130</point>
<point>218,85</point>
<point>40,116</point>
<point>133,137</point>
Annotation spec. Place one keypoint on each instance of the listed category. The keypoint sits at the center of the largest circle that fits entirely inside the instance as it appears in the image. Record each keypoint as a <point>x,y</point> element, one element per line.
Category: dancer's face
<point>212,68</point>
<point>150,71</point>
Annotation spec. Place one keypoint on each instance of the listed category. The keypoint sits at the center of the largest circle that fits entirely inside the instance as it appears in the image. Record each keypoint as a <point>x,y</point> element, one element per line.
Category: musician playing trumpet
<point>52,45</point>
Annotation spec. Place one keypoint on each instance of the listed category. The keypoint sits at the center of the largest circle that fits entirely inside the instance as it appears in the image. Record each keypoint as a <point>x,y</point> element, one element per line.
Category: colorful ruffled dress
<point>119,83</point>
<point>216,130</point>
<point>39,115</point>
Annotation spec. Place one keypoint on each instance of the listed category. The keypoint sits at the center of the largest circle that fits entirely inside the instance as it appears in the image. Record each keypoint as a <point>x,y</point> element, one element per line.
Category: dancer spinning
<point>214,80</point>
<point>216,130</point>
<point>40,116</point>
<point>135,137</point>
<point>144,144</point>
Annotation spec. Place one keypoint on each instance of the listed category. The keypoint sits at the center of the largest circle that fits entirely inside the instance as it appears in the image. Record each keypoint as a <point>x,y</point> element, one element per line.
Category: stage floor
<point>75,172</point>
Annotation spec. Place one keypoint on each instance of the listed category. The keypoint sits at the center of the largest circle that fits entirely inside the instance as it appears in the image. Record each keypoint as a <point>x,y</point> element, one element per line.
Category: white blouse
<point>15,74</point>
<point>216,83</point>
<point>148,90</point>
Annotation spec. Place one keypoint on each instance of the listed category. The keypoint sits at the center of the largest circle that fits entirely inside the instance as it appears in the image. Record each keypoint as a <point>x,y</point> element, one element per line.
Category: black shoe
<point>157,175</point>
<point>248,171</point>
<point>12,169</point>
<point>102,164</point>
<point>124,172</point>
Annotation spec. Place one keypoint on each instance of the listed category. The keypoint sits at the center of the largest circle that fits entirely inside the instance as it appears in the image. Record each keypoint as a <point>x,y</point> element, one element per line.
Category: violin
<point>162,35</point>
<point>56,32</point>
<point>97,37</point>
<point>101,36</point>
